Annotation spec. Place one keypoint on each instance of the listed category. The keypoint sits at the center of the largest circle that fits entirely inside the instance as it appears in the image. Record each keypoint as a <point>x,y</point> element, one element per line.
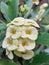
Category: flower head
<point>25,55</point>
<point>10,44</point>
<point>17,21</point>
<point>13,31</point>
<point>29,32</point>
<point>25,44</point>
<point>30,22</point>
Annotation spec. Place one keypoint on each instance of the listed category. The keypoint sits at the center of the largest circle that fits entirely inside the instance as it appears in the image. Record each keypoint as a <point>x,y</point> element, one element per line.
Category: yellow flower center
<point>28,32</point>
<point>10,41</point>
<point>23,52</point>
<point>13,31</point>
<point>24,43</point>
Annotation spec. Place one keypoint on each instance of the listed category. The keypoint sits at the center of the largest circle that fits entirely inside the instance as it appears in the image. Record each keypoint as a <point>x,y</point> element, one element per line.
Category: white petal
<point>17,53</point>
<point>8,34</point>
<point>34,34</point>
<point>4,44</point>
<point>28,55</point>
<point>13,46</point>
<point>23,32</point>
<point>31,45</point>
<point>31,22</point>
<point>10,46</point>
<point>21,48</point>
<point>16,35</point>
<point>23,35</point>
<point>9,54</point>
<point>18,21</point>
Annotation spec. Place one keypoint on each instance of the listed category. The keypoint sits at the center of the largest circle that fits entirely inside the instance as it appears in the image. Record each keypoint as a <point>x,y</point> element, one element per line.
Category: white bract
<point>25,55</point>
<point>10,44</point>
<point>25,44</point>
<point>9,54</point>
<point>13,31</point>
<point>17,21</point>
<point>29,32</point>
<point>30,22</point>
<point>22,21</point>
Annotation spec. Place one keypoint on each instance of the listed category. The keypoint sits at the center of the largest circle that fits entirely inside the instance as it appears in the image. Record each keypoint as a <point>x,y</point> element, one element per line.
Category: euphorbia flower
<point>25,55</point>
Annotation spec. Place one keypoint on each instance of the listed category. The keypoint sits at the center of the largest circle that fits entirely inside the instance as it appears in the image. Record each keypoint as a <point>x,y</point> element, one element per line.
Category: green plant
<point>11,9</point>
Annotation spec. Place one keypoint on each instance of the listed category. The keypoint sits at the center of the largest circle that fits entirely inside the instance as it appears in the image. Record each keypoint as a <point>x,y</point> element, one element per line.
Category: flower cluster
<point>20,38</point>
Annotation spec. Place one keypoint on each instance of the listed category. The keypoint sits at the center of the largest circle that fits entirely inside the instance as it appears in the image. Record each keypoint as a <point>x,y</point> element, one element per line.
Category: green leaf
<point>0,6</point>
<point>2,35</point>
<point>3,0</point>
<point>2,26</point>
<point>27,14</point>
<point>13,9</point>
<point>0,43</point>
<point>46,64</point>
<point>40,59</point>
<point>2,32</point>
<point>1,51</point>
<point>7,62</point>
<point>4,10</point>
<point>26,62</point>
<point>43,38</point>
<point>29,3</point>
<point>35,11</point>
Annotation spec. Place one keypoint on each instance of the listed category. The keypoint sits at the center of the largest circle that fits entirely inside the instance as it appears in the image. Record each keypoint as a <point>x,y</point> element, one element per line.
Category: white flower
<point>29,22</point>
<point>44,6</point>
<point>17,21</point>
<point>13,31</point>
<point>35,2</point>
<point>9,54</point>
<point>29,32</point>
<point>22,21</point>
<point>25,55</point>
<point>25,44</point>
<point>10,43</point>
